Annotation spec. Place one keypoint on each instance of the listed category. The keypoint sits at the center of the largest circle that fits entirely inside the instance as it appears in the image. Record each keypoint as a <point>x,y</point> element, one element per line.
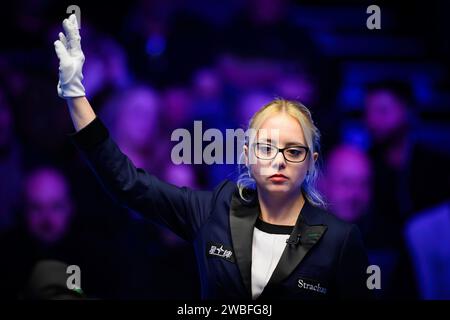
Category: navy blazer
<point>324,257</point>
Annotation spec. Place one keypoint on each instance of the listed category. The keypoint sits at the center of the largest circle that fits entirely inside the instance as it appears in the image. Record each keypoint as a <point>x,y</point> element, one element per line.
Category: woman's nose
<point>279,161</point>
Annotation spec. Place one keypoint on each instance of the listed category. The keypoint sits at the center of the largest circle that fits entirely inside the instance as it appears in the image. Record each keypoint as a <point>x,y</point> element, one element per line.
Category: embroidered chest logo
<point>220,250</point>
<point>312,285</point>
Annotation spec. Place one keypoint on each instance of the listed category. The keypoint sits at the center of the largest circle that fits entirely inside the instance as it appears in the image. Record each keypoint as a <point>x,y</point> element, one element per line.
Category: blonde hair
<point>246,184</point>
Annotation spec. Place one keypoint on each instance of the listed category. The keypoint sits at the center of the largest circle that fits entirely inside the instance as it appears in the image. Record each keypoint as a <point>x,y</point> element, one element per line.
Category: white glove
<point>71,59</point>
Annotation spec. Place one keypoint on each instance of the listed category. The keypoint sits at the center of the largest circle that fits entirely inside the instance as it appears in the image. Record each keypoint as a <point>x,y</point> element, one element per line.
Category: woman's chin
<point>278,187</point>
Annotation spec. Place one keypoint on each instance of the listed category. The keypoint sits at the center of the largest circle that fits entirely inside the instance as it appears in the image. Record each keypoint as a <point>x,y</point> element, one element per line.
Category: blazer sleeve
<point>352,268</point>
<point>181,209</point>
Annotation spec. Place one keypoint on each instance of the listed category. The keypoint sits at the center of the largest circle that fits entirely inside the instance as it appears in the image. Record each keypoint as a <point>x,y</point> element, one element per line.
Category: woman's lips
<point>278,178</point>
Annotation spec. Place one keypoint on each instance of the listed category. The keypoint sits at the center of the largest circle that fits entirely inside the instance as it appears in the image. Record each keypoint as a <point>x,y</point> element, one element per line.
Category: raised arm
<point>180,209</point>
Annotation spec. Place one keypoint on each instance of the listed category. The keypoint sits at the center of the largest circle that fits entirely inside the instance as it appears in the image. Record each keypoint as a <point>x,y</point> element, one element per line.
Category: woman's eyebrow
<point>295,144</point>
<point>292,143</point>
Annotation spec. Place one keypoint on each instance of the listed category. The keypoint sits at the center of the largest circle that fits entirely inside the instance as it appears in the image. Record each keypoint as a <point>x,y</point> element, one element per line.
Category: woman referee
<point>267,236</point>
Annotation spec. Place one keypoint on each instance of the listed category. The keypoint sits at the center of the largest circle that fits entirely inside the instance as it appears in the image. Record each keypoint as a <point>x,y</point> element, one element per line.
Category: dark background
<point>219,61</point>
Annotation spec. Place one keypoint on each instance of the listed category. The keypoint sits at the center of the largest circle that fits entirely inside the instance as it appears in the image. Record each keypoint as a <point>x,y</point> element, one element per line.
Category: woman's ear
<point>315,156</point>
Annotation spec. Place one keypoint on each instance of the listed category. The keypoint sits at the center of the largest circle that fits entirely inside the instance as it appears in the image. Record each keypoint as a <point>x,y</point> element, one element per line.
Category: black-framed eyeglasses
<point>266,151</point>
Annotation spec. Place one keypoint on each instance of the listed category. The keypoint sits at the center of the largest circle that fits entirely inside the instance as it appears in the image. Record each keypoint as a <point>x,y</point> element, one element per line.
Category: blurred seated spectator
<point>44,231</point>
<point>427,236</point>
<point>404,171</point>
<point>133,118</point>
<point>50,228</point>
<point>346,184</point>
<point>209,104</point>
<point>49,208</point>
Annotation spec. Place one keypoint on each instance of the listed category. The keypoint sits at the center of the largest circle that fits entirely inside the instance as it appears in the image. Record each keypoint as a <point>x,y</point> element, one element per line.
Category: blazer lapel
<point>302,239</point>
<point>242,221</point>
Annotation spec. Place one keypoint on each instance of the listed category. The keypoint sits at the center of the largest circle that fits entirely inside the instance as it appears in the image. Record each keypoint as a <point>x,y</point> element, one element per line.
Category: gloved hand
<point>71,59</point>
